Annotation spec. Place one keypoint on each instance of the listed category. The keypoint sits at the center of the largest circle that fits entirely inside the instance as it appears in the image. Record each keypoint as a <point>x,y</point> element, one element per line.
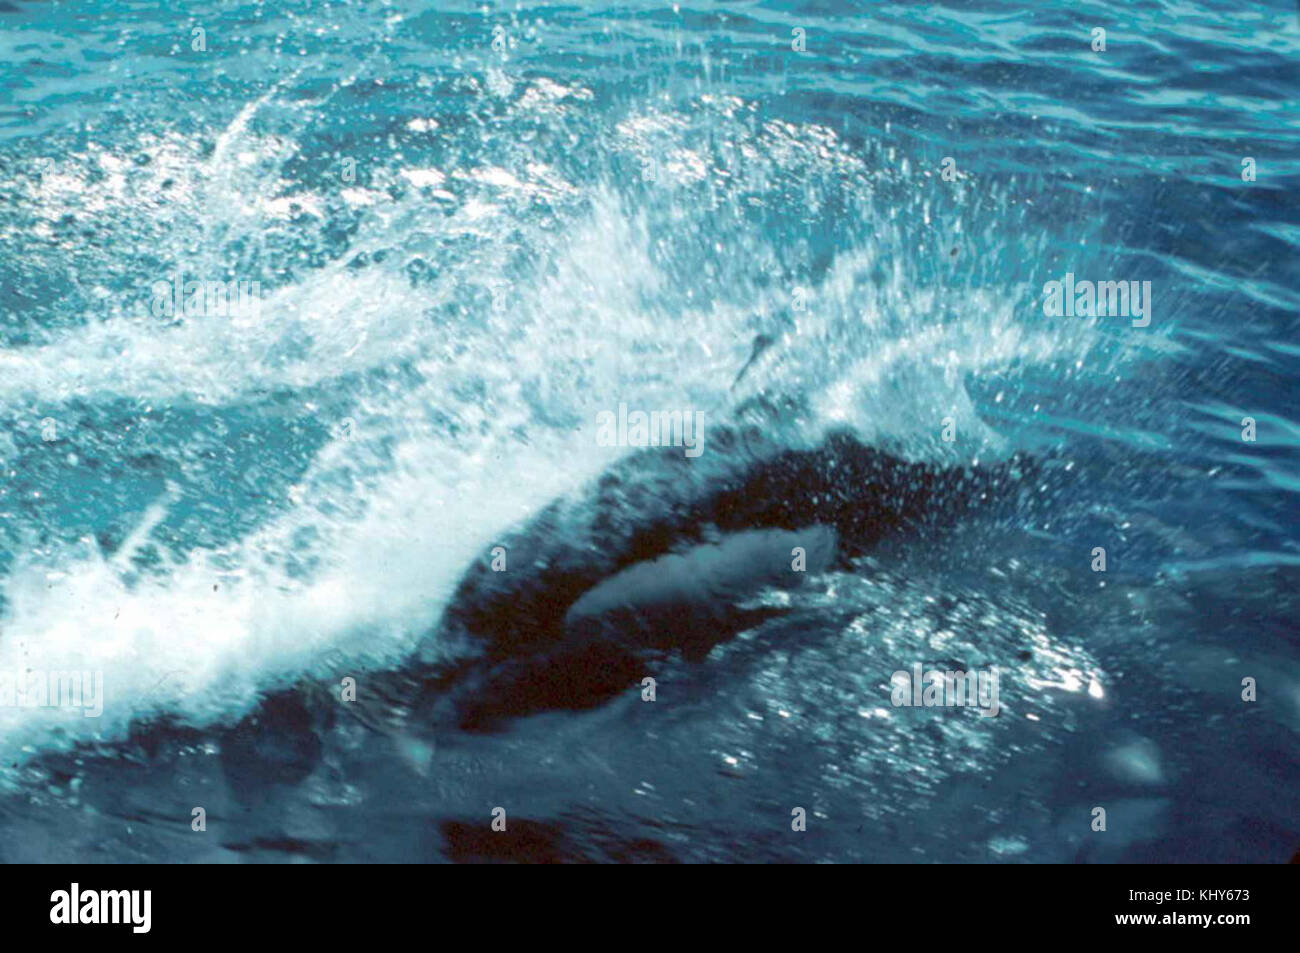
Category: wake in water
<point>323,456</point>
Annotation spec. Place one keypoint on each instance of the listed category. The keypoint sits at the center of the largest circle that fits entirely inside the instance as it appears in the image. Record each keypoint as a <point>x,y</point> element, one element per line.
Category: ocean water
<point>468,230</point>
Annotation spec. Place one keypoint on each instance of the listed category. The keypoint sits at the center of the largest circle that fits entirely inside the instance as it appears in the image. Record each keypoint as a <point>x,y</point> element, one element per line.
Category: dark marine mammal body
<point>661,552</point>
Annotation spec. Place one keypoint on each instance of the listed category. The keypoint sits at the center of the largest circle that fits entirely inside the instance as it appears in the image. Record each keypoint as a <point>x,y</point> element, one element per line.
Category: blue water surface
<point>470,228</point>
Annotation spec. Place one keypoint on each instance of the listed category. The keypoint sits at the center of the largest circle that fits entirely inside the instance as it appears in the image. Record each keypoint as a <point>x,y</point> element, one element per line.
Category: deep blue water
<point>475,227</point>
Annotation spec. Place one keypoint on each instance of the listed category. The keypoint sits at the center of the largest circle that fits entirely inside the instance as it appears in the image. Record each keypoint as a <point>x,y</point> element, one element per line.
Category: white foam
<point>460,431</point>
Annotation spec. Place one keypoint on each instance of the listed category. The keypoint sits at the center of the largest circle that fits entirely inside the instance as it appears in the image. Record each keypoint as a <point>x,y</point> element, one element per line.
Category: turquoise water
<point>472,229</point>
